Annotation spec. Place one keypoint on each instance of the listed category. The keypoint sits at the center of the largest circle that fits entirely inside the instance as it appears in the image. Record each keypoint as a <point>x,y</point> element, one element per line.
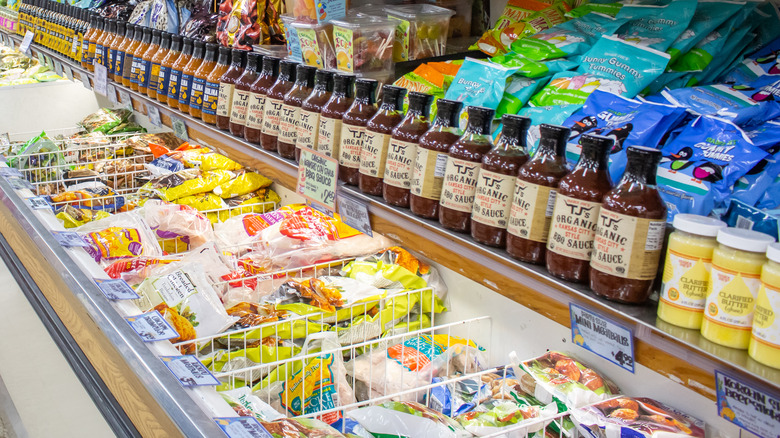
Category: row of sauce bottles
<point>57,26</point>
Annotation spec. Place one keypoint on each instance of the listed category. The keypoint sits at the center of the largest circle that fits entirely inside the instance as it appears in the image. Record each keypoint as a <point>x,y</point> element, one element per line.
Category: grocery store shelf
<point>681,355</point>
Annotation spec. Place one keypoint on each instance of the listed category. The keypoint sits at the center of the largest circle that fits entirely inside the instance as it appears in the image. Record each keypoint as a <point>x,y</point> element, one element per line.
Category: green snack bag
<point>708,16</point>
<point>479,83</point>
<point>533,69</point>
<point>517,93</point>
<point>610,9</point>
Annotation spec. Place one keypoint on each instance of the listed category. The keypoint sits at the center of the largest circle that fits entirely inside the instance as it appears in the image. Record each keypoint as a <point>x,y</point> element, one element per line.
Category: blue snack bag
<point>765,135</point>
<point>656,26</point>
<point>628,122</point>
<point>551,115</point>
<point>741,215</point>
<point>708,16</point>
<point>751,187</point>
<point>771,198</point>
<point>736,42</point>
<point>480,83</point>
<point>701,164</point>
<point>763,62</point>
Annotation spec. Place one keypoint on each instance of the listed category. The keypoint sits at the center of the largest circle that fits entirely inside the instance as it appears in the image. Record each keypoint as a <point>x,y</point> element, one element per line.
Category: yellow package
<point>186,182</point>
<point>214,161</point>
<point>117,242</point>
<point>203,201</point>
<point>244,182</point>
<point>75,217</point>
<point>260,201</point>
<point>494,41</point>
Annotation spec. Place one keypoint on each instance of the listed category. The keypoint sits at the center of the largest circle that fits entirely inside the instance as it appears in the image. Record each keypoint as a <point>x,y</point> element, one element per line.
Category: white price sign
<point>116,289</point>
<point>101,79</point>
<point>189,370</point>
<point>242,427</point>
<point>111,91</point>
<point>58,68</point>
<point>354,213</point>
<point>154,115</point>
<point>152,327</point>
<point>85,80</point>
<point>38,203</point>
<point>179,128</point>
<point>127,101</point>
<point>28,38</point>
<point>49,61</point>
<point>68,72</point>
<point>69,239</point>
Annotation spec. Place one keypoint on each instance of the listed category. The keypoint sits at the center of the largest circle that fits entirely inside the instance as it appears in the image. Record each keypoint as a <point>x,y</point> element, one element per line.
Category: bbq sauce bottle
<point>402,150</point>
<point>226,87</point>
<point>116,54</point>
<point>165,68</point>
<point>309,115</point>
<point>534,196</point>
<point>272,113</point>
<point>377,138</point>
<point>630,232</point>
<point>288,124</point>
<point>329,136</point>
<point>431,159</point>
<point>157,59</point>
<point>496,185</point>
<point>353,130</point>
<point>577,204</point>
<point>253,131</point>
<point>240,104</point>
<point>211,86</point>
<point>462,171</point>
<point>188,76</point>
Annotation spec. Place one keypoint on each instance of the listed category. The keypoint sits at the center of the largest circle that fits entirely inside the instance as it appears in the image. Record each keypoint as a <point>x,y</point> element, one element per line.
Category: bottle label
<point>374,154</point>
<point>460,184</point>
<point>307,129</point>
<point>329,136</point>
<point>351,145</point>
<point>428,173</point>
<point>184,88</point>
<point>127,66</point>
<point>144,68</point>
<point>288,128</point>
<point>173,84</point>
<point>84,48</point>
<point>196,94</point>
<point>255,110</point>
<point>685,281</point>
<point>272,116</point>
<point>110,59</point>
<point>119,64</point>
<point>493,198</point>
<point>627,246</point>
<point>98,54</point>
<point>162,81</point>
<point>531,211</point>
<point>400,163</point>
<point>154,77</point>
<point>731,298</point>
<point>766,327</point>
<point>239,106</point>
<point>210,98</point>
<point>134,67</point>
<point>225,99</point>
<point>573,227</point>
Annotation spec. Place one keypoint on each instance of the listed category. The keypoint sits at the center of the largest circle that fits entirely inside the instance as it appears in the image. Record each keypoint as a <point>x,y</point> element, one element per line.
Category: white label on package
<point>151,326</point>
<point>116,289</point>
<point>101,79</point>
<point>154,115</point>
<point>38,203</point>
<point>69,239</point>
<point>25,46</point>
<point>174,287</point>
<point>242,427</point>
<point>179,128</point>
<point>189,371</point>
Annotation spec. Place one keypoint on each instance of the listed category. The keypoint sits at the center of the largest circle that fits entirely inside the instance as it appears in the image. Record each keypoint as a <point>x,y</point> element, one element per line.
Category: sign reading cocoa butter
<point>318,178</point>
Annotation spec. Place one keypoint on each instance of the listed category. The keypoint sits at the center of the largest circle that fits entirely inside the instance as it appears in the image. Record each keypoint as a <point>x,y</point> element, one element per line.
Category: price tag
<point>19,183</point>
<point>85,80</point>
<point>354,213</point>
<point>41,58</point>
<point>68,72</point>
<point>101,79</point>
<point>748,406</point>
<point>49,61</point>
<point>8,172</point>
<point>116,289</point>
<point>38,203</point>
<point>58,68</point>
<point>242,427</point>
<point>69,239</point>
<point>602,336</point>
<point>127,101</point>
<point>179,128</point>
<point>111,91</point>
<point>189,371</point>
<point>151,326</point>
<point>154,116</point>
<point>318,178</point>
<point>26,41</point>
<point>5,139</point>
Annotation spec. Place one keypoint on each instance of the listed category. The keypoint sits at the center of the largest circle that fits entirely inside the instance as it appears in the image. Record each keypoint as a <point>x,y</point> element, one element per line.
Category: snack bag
<point>479,83</point>
<point>214,161</point>
<point>708,16</point>
<point>551,115</point>
<point>186,183</point>
<point>656,26</point>
<point>39,159</point>
<point>239,24</point>
<point>92,195</point>
<point>756,182</point>
<point>538,21</point>
<point>269,350</point>
<point>203,201</point>
<point>395,269</point>
<point>735,44</point>
<point>533,69</point>
<point>123,235</point>
<point>136,269</point>
<point>243,183</point>
<point>259,201</point>
<point>72,217</point>
<point>516,94</point>
<point>105,119</point>
<point>408,420</point>
<point>515,11</point>
<point>610,9</point>
<point>763,62</point>
<point>635,417</point>
<point>752,218</point>
<point>701,164</point>
<point>324,294</point>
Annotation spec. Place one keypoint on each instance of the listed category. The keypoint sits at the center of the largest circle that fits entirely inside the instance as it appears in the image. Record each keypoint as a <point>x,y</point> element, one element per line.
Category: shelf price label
<point>49,61</point>
<point>747,406</point>
<point>26,41</point>
<point>58,68</point>
<point>179,128</point>
<point>154,115</point>
<point>602,336</point>
<point>41,58</point>
<point>127,101</point>
<point>8,172</point>
<point>19,183</point>
<point>242,427</point>
<point>74,48</point>
<point>101,80</point>
<point>84,77</point>
<point>151,326</point>
<point>68,72</point>
<point>318,178</point>
<point>189,371</point>
<point>111,91</point>
<point>116,289</point>
<point>354,213</point>
<point>38,203</point>
<point>69,239</point>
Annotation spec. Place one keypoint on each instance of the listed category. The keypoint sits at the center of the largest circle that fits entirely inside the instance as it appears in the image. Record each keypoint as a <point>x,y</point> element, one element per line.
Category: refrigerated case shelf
<point>678,354</point>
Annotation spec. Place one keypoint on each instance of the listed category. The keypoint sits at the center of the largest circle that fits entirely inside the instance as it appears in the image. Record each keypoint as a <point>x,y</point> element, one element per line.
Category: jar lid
<point>744,240</point>
<point>773,252</point>
<point>698,225</point>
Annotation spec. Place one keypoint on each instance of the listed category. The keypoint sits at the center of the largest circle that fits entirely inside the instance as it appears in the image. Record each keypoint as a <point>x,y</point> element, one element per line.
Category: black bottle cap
<point>211,52</point>
<point>236,56</point>
<point>344,84</point>
<point>176,41</point>
<point>254,61</point>
<point>554,138</point>
<point>393,97</point>
<point>642,164</point>
<point>323,80</point>
<point>112,26</point>
<point>365,89</point>
<point>448,113</point>
<point>147,36</point>
<point>420,103</point>
<point>224,53</point>
<point>121,28</point>
<point>271,66</point>
<point>129,30</point>
<point>480,119</point>
<point>304,75</point>
<point>200,47</point>
<point>515,128</point>
<point>165,41</point>
<point>156,34</point>
<point>595,148</point>
<point>287,70</point>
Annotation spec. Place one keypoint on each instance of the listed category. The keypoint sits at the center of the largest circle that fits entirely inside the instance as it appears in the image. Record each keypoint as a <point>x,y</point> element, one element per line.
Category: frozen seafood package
<point>635,417</point>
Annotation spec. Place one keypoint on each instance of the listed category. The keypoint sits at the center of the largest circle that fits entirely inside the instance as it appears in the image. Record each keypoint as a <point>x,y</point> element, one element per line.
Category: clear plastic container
<point>272,50</point>
<point>460,23</point>
<point>320,11</point>
<point>316,41</point>
<point>291,37</point>
<point>364,44</point>
<point>421,31</point>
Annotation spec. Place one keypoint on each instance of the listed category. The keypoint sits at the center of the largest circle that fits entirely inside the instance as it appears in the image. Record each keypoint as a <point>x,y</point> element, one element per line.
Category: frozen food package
<point>300,428</point>
<point>259,201</point>
<point>179,227</point>
<point>636,417</point>
<point>105,119</point>
<point>407,420</point>
<point>247,405</point>
<point>72,217</point>
<point>136,269</point>
<point>141,143</point>
<point>120,236</point>
<point>323,294</point>
<point>243,183</point>
<point>396,269</point>
<point>92,195</point>
<point>185,183</point>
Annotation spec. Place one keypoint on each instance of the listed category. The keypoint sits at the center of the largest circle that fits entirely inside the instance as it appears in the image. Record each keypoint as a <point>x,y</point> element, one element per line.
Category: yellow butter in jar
<point>734,282</point>
<point>765,338</point>
<point>687,269</point>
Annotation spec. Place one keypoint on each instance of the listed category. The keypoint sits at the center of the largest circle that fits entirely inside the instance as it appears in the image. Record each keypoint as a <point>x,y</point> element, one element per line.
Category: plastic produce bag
<point>636,417</point>
<point>123,235</point>
<point>407,420</point>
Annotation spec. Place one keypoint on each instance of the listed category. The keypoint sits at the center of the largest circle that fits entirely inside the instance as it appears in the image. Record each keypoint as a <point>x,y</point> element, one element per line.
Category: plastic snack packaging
<point>656,26</point>
<point>610,9</point>
<point>516,14</point>
<point>119,236</point>
<point>408,420</point>
<point>243,183</point>
<point>203,201</point>
<point>636,417</point>
<point>708,16</point>
<point>40,158</point>
<point>93,195</point>
<point>300,428</point>
<point>551,115</point>
<point>212,161</point>
<point>239,24</point>
<point>396,269</point>
<point>752,218</point>
<point>266,350</point>
<point>259,201</point>
<point>136,269</point>
<point>72,217</point>
<point>247,405</point>
<point>533,69</point>
<point>763,62</point>
<point>542,20</point>
<point>701,164</point>
<point>480,83</point>
<point>757,181</point>
<point>179,227</point>
<point>734,47</point>
<point>323,294</point>
<point>186,183</point>
<point>105,119</point>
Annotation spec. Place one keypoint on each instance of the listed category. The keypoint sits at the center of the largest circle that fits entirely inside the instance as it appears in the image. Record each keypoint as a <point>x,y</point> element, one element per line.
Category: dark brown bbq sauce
<point>257,96</point>
<point>431,159</point>
<point>309,115</point>
<point>329,131</point>
<point>534,197</point>
<point>226,88</point>
<point>272,114</point>
<point>462,171</point>
<point>402,150</point>
<point>630,232</point>
<point>377,139</point>
<point>240,104</point>
<point>496,185</point>
<point>577,204</point>
<point>288,122</point>
<point>353,130</point>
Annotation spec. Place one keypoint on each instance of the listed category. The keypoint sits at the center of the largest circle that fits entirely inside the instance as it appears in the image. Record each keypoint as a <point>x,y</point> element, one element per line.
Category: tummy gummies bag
<point>763,62</point>
<point>708,16</point>
<point>655,26</point>
<point>757,181</point>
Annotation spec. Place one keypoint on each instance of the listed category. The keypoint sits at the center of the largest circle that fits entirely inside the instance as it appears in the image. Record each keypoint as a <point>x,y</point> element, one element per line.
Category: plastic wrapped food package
<point>239,24</point>
<point>105,119</point>
<point>364,44</point>
<point>316,41</point>
<point>407,419</point>
<point>179,227</point>
<point>639,417</point>
<point>421,31</point>
<point>123,235</point>
<point>72,217</point>
<point>186,183</point>
<point>247,405</point>
<point>244,182</point>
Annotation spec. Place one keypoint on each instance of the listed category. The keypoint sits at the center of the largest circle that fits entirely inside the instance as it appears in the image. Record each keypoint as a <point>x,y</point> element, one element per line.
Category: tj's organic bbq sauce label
<point>573,227</point>
<point>287,124</point>
<point>627,246</point>
<point>272,116</point>
<point>254,113</point>
<point>429,168</point>
<point>531,211</point>
<point>400,159</point>
<point>351,145</point>
<point>224,99</point>
<point>239,107</point>
<point>329,136</point>
<point>374,154</point>
<point>493,198</point>
<point>460,184</point>
<point>307,129</point>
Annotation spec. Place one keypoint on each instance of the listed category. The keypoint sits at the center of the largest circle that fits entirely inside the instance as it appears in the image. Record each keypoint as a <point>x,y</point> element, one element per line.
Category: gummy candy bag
<point>655,26</point>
